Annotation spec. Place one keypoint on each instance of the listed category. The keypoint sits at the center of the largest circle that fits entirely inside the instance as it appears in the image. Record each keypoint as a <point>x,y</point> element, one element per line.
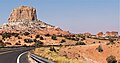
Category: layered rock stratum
<point>24,19</point>
<point>23,13</point>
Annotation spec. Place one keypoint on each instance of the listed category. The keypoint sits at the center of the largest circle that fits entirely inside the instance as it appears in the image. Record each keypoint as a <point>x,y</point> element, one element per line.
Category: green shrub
<point>38,43</point>
<point>15,34</point>
<point>28,40</point>
<point>66,36</point>
<point>41,38</point>
<point>19,37</point>
<point>80,43</point>
<point>99,48</point>
<point>63,40</point>
<point>17,44</point>
<point>111,59</point>
<point>111,41</point>
<point>83,38</point>
<point>6,35</point>
<point>99,42</point>
<point>26,33</point>
<point>93,42</point>
<point>34,40</point>
<point>52,49</point>
<point>37,36</point>
<point>47,35</point>
<point>54,37</point>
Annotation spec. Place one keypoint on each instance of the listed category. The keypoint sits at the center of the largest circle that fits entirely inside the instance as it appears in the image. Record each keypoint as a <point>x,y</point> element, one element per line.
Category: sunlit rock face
<point>23,13</point>
<point>24,19</point>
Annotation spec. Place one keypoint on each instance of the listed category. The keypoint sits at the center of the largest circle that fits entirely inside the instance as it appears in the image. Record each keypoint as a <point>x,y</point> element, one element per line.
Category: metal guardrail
<point>40,59</point>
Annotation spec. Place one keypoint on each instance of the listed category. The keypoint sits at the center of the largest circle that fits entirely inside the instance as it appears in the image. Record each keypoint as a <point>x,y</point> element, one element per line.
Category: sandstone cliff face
<point>23,13</point>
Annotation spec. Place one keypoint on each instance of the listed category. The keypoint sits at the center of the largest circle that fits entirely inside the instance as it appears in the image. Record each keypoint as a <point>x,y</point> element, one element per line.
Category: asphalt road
<point>11,55</point>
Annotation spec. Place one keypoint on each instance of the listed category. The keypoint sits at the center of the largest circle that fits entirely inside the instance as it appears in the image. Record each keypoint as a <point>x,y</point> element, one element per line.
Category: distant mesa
<point>23,13</point>
<point>112,33</point>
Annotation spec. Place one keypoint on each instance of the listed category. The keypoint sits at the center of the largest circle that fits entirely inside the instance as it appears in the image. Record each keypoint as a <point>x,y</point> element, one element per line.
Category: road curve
<point>10,56</point>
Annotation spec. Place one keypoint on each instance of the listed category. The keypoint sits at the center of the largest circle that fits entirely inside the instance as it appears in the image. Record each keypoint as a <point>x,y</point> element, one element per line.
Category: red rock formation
<point>23,13</point>
<point>24,19</point>
<point>100,34</point>
<point>113,33</point>
<point>87,34</point>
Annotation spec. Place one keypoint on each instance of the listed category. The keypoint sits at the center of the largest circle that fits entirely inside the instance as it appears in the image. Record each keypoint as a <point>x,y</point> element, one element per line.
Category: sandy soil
<point>90,54</point>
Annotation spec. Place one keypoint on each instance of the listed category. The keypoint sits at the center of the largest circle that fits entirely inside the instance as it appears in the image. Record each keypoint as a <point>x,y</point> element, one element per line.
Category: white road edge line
<point>18,58</point>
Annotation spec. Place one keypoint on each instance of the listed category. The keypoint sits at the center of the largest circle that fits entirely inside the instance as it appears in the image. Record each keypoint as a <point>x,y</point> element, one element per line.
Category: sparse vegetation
<point>53,56</point>
<point>80,43</point>
<point>15,34</point>
<point>71,37</point>
<point>41,38</point>
<point>63,40</point>
<point>99,48</point>
<point>52,49</point>
<point>111,59</point>
<point>38,43</point>
<point>47,35</point>
<point>6,35</point>
<point>28,40</point>
<point>111,41</point>
<point>93,42</point>
<point>83,38</point>
<point>37,36</point>
<point>26,33</point>
<point>19,37</point>
<point>17,44</point>
<point>54,37</point>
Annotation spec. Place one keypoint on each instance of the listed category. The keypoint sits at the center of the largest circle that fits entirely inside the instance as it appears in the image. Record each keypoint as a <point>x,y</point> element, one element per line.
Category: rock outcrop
<point>113,33</point>
<point>99,34</point>
<point>24,18</point>
<point>23,13</point>
<point>87,34</point>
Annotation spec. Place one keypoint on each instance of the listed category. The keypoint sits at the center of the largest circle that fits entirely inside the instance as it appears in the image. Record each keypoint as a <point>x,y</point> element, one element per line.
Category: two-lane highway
<point>11,55</point>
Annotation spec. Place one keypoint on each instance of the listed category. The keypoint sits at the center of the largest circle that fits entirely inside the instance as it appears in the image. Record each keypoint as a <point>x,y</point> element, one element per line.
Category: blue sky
<point>77,16</point>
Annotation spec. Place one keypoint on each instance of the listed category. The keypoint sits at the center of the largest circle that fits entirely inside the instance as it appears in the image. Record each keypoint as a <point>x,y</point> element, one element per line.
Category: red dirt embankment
<point>90,54</point>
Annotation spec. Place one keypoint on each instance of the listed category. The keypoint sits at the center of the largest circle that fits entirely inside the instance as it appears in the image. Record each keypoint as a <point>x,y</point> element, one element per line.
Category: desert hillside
<point>25,29</point>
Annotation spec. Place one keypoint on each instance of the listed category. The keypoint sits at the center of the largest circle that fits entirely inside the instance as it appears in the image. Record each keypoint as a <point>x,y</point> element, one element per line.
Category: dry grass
<point>53,56</point>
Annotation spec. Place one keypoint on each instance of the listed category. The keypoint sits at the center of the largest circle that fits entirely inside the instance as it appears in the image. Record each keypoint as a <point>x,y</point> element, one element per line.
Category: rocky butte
<point>24,19</point>
<point>23,13</point>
